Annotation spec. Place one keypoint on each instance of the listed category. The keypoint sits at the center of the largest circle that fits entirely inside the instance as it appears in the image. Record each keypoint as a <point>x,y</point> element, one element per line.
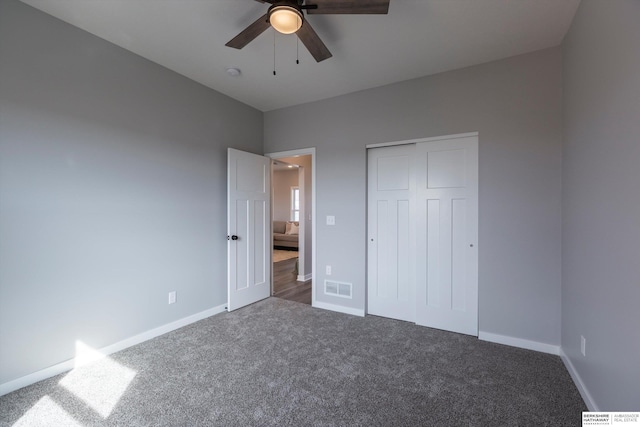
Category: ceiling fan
<point>286,16</point>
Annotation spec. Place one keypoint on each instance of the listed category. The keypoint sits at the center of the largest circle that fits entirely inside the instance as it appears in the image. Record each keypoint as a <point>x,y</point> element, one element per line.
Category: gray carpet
<point>284,363</point>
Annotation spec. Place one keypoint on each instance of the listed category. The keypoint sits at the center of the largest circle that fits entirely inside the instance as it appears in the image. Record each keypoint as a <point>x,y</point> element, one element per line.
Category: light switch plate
<point>331,220</point>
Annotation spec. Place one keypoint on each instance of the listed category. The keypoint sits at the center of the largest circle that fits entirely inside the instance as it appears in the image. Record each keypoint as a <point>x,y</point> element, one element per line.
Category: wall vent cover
<point>338,289</point>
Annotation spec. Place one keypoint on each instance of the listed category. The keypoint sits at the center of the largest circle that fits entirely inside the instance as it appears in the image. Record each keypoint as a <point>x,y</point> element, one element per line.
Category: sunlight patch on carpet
<point>97,380</point>
<point>46,412</point>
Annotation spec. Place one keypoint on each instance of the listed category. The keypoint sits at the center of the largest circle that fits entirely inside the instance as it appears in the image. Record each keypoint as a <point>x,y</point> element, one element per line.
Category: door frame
<point>304,152</point>
<point>430,139</point>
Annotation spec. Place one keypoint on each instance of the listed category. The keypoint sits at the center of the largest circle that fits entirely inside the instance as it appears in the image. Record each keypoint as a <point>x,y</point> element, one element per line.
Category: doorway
<point>293,210</point>
<point>288,212</point>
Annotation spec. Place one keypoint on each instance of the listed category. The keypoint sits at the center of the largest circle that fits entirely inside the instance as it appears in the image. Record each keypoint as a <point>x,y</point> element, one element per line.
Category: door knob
<point>234,237</point>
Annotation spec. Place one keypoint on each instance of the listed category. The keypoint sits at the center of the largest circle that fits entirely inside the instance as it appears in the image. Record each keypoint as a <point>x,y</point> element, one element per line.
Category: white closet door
<point>447,234</point>
<point>391,233</point>
<point>423,233</point>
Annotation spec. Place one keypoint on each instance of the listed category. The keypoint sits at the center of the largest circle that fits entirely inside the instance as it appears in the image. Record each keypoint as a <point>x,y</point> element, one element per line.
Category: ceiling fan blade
<point>337,7</point>
<point>312,42</point>
<point>250,33</point>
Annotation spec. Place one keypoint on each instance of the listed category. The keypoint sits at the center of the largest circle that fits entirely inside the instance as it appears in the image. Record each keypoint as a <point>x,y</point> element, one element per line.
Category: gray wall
<point>282,182</point>
<point>515,105</point>
<point>112,191</point>
<point>601,208</point>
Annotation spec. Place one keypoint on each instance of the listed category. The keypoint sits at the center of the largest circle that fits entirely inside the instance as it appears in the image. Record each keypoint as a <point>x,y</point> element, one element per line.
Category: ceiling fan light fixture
<point>285,19</point>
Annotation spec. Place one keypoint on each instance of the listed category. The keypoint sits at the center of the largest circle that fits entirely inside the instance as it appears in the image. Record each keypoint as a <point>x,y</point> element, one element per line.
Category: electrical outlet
<point>172,297</point>
<point>583,345</point>
<point>327,270</point>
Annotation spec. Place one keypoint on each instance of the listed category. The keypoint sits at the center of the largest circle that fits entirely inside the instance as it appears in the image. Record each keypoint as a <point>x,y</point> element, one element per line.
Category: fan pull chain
<point>297,44</point>
<point>274,52</point>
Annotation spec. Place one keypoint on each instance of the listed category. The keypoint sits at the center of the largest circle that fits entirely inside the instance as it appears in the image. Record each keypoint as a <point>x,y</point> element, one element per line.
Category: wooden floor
<point>286,286</point>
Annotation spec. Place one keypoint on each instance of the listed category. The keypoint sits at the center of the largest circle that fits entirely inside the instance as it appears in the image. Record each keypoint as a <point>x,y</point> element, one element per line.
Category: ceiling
<point>416,38</point>
<point>279,166</point>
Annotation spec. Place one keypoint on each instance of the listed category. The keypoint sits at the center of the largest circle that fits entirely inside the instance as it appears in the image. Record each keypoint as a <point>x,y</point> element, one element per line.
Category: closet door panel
<point>447,229</point>
<point>391,238</point>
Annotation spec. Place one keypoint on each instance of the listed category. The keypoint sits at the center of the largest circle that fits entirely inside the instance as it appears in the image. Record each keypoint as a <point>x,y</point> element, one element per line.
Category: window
<point>295,204</point>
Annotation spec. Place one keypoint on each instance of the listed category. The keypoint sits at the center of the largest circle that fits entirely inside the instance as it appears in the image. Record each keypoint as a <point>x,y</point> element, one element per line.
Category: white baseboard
<point>68,365</point>
<point>519,342</point>
<point>304,278</point>
<point>584,392</point>
<point>339,308</point>
<point>546,348</point>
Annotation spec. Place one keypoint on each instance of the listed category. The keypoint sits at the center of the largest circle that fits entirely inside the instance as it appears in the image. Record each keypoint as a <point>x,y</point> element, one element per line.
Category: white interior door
<point>423,232</point>
<point>447,234</point>
<point>248,228</point>
<point>391,251</point>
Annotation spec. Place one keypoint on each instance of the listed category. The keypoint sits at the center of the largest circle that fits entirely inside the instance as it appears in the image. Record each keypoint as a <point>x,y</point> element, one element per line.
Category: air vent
<point>338,289</point>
